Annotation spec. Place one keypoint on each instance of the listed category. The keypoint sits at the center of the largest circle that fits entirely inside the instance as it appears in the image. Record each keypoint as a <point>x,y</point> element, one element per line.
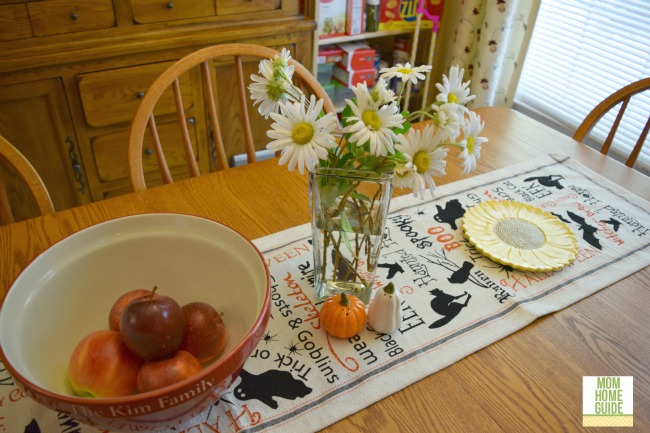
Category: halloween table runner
<point>454,302</point>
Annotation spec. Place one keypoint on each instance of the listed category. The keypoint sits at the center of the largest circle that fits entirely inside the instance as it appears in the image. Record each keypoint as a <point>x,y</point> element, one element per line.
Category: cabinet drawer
<point>151,11</point>
<point>111,97</point>
<point>14,23</point>
<point>110,151</point>
<point>54,17</point>
<point>229,7</point>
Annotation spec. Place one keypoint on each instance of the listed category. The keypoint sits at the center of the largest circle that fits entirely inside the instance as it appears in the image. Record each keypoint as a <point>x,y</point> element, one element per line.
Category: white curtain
<point>488,38</point>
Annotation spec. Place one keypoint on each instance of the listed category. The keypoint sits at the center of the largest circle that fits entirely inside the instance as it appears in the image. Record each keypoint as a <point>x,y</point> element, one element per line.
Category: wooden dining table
<point>530,381</point>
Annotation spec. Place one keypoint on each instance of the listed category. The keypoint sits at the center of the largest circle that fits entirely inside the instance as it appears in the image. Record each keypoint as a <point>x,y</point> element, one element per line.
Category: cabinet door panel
<point>230,114</point>
<point>35,118</point>
<point>110,151</point>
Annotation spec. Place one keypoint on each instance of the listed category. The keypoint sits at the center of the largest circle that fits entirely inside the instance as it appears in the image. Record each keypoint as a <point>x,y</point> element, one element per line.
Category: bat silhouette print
<point>552,181</point>
<point>616,224</point>
<point>446,305</point>
<point>452,211</point>
<point>588,231</point>
<point>561,218</point>
<point>266,386</point>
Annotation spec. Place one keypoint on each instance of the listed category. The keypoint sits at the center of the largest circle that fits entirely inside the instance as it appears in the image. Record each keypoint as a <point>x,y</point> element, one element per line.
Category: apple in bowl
<point>68,290</point>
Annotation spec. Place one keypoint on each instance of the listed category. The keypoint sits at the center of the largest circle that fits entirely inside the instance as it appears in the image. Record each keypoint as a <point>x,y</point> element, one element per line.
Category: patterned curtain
<point>488,38</point>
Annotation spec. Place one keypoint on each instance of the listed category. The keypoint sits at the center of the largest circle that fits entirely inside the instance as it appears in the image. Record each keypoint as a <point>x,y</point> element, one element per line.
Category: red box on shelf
<point>357,56</point>
<point>352,77</point>
<point>329,54</point>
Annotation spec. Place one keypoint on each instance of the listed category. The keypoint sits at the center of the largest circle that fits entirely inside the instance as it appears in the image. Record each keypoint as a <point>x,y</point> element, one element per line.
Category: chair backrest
<point>19,169</point>
<point>623,97</point>
<point>202,63</point>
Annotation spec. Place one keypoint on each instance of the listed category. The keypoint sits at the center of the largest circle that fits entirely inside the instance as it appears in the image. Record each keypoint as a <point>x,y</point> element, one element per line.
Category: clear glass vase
<point>348,217</point>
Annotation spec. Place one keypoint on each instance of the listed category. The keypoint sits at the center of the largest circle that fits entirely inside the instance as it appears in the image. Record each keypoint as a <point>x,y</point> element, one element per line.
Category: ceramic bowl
<point>68,290</point>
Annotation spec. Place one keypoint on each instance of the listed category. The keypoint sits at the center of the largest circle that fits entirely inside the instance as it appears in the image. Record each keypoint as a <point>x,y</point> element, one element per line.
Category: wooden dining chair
<point>19,176</point>
<point>202,64</point>
<point>622,97</point>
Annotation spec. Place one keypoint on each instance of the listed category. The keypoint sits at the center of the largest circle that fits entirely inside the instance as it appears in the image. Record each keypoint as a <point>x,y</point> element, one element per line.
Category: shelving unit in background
<point>422,42</point>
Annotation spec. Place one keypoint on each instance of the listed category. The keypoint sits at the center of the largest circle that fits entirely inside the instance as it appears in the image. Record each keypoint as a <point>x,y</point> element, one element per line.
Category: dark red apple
<point>157,374</point>
<point>152,326</point>
<point>205,333</point>
<point>116,311</point>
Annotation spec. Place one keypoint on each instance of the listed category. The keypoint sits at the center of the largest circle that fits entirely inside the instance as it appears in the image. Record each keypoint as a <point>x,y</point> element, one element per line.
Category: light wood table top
<point>528,381</point>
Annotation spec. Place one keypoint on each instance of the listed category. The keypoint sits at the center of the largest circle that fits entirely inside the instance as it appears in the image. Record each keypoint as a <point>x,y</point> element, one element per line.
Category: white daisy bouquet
<point>354,164</point>
<point>374,134</point>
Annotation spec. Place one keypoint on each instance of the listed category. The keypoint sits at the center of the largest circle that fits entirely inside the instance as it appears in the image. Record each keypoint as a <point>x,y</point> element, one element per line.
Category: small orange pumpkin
<point>343,316</point>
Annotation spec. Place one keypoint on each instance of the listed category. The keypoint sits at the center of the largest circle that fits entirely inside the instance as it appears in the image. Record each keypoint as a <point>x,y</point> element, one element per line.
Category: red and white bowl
<point>68,290</point>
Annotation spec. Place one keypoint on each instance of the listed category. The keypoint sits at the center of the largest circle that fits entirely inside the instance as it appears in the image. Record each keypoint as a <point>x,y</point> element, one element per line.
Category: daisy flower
<point>405,72</point>
<point>303,137</point>
<point>404,175</point>
<point>274,87</point>
<point>269,92</point>
<point>453,89</point>
<point>471,142</point>
<point>372,122</point>
<point>423,152</point>
<point>448,119</point>
<point>362,94</point>
<point>381,93</point>
<point>282,61</point>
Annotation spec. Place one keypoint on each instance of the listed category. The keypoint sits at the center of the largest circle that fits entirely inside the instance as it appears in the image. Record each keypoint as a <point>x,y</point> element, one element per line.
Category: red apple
<point>102,366</point>
<point>205,333</point>
<point>152,326</point>
<point>157,374</point>
<point>116,311</point>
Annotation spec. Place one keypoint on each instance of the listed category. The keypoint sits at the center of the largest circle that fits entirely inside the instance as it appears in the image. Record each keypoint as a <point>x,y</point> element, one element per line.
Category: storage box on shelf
<point>72,75</point>
<point>332,18</point>
<point>351,77</point>
<point>355,17</point>
<point>356,66</point>
<point>402,14</point>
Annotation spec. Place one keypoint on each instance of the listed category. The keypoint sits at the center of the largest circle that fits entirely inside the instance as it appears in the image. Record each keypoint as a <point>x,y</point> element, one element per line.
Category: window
<point>581,51</point>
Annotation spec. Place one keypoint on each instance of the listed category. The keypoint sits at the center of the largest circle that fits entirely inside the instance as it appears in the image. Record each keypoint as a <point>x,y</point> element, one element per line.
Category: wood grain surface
<point>530,381</point>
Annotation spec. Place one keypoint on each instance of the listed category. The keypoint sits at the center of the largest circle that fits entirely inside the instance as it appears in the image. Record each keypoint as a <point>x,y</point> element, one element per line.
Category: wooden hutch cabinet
<point>72,74</point>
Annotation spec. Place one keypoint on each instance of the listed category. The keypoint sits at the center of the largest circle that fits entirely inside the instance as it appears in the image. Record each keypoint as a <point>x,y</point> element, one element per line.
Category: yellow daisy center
<point>453,99</point>
<point>370,118</point>
<point>470,145</point>
<point>404,71</point>
<point>302,133</point>
<point>421,161</point>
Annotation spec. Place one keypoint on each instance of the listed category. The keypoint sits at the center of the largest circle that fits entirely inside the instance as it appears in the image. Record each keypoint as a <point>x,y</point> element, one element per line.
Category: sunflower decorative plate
<point>519,235</point>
